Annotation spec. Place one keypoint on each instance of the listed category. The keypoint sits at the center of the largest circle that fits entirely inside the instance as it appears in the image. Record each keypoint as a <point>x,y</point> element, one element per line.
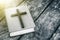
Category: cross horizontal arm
<point>23,13</point>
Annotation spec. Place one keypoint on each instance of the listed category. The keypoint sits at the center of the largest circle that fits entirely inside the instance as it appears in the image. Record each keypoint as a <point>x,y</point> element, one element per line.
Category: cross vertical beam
<point>19,16</point>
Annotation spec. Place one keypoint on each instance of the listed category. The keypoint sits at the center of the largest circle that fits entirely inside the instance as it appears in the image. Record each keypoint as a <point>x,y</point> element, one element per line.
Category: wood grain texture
<point>45,24</point>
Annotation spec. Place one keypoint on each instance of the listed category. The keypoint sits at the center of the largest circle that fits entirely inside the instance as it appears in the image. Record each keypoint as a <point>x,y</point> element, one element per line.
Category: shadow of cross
<point>19,16</point>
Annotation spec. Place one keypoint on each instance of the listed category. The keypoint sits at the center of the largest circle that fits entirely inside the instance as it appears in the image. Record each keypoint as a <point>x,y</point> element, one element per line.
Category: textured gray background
<point>46,15</point>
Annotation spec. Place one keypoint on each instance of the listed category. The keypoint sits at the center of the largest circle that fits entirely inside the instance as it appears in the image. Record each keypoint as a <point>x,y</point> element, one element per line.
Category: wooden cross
<point>19,16</point>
